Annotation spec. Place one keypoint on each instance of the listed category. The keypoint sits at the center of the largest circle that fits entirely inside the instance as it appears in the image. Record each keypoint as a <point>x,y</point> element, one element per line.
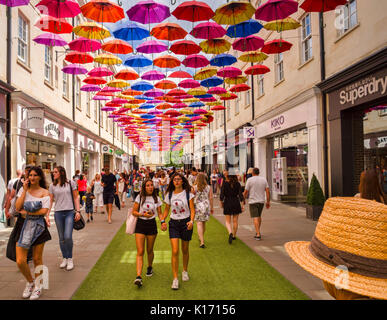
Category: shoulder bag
<point>80,224</point>
<point>131,222</point>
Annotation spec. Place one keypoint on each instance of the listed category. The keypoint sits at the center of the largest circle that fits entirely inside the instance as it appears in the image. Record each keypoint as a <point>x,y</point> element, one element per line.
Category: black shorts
<point>146,227</point>
<point>178,229</point>
<point>108,198</point>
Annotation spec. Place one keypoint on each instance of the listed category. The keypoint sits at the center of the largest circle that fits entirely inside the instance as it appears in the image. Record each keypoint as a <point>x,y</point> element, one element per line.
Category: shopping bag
<point>131,222</point>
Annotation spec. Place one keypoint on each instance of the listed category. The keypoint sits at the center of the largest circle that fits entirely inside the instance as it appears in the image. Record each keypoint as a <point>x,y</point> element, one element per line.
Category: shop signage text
<point>53,129</point>
<point>35,118</point>
<point>277,122</point>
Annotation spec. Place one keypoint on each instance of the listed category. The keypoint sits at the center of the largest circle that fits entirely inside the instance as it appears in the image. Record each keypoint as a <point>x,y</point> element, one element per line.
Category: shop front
<point>357,118</point>
<point>89,157</point>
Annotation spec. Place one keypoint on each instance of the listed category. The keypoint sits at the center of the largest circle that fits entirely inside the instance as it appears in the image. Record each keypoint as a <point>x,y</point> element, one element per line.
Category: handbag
<point>12,209</point>
<point>80,224</point>
<point>131,222</point>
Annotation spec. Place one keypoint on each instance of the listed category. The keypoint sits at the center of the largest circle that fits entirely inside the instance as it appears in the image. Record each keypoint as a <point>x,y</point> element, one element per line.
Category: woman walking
<point>32,222</point>
<point>64,193</point>
<point>231,198</point>
<point>203,205</point>
<point>179,200</point>
<point>369,187</point>
<point>121,189</point>
<point>97,190</point>
<point>82,188</point>
<point>146,206</point>
<point>163,184</point>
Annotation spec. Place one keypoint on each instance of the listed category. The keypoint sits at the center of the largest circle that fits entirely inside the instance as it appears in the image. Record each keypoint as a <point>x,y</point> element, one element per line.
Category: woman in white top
<point>34,189</point>
<point>98,192</point>
<point>147,204</point>
<point>179,200</point>
<point>121,189</point>
<point>163,184</point>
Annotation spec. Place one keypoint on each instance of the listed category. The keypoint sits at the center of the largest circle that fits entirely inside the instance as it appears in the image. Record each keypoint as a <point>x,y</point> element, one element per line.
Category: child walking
<point>89,204</point>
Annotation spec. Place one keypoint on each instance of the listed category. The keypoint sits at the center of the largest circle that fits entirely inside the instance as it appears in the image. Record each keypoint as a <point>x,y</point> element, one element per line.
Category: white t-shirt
<point>256,186</point>
<point>156,183</point>
<point>179,206</point>
<point>46,201</point>
<point>148,205</point>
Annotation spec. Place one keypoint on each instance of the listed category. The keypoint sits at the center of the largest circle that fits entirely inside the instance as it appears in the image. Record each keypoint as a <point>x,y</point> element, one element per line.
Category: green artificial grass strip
<point>218,272</point>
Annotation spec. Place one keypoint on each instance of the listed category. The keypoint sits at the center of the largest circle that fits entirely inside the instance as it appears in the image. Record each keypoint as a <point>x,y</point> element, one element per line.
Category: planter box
<point>313,212</point>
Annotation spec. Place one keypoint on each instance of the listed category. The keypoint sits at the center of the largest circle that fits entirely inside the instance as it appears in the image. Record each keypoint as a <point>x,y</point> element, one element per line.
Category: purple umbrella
<point>250,43</point>
<point>153,75</point>
<point>152,46</point>
<point>14,3</point>
<point>276,10</point>
<point>90,88</point>
<point>50,39</point>
<point>108,109</point>
<point>74,69</point>
<point>154,93</point>
<point>59,8</point>
<point>84,45</point>
<point>148,11</point>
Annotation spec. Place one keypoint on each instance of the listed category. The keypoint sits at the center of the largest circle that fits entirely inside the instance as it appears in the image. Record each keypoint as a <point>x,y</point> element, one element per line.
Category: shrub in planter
<point>315,199</point>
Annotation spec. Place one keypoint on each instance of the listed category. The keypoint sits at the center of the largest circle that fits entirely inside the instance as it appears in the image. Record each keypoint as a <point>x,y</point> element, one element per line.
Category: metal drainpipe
<point>252,119</point>
<point>9,81</point>
<point>72,37</point>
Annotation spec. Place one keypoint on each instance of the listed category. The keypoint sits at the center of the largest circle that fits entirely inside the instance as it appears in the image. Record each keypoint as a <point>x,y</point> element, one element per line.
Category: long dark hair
<point>143,194</point>
<point>40,173</point>
<point>369,186</point>
<point>186,185</point>
<point>62,176</point>
<point>233,180</point>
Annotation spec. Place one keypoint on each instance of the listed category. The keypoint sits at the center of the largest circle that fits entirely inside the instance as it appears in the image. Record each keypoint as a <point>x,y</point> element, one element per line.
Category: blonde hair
<point>201,181</point>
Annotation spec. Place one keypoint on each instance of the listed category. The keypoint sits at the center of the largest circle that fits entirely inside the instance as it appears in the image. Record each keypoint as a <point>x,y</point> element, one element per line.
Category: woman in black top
<point>231,198</point>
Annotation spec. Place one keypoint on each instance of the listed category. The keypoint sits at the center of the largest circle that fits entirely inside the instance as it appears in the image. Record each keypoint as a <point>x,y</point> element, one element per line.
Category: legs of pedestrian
<point>185,251</point>
<point>150,241</point>
<point>229,228</point>
<point>140,244</point>
<point>109,209</point>
<point>64,221</point>
<point>175,262</point>
<point>201,225</point>
<point>235,218</point>
<point>257,225</point>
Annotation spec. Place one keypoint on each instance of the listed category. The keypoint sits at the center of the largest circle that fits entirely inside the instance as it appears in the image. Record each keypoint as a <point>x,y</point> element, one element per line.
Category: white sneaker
<point>175,284</point>
<point>184,276</point>
<point>63,264</point>
<point>70,264</point>
<point>36,293</point>
<point>28,290</point>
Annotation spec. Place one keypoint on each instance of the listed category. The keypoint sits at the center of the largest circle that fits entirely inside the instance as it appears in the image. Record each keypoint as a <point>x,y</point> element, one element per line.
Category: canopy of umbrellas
<point>157,102</point>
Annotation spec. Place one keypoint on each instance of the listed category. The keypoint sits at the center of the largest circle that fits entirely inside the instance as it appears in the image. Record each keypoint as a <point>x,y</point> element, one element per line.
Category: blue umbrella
<point>244,29</point>
<point>131,32</point>
<point>146,106</point>
<point>138,61</point>
<point>222,60</point>
<point>211,82</point>
<point>143,97</point>
<point>203,96</point>
<point>196,105</point>
<point>147,116</point>
<point>142,86</point>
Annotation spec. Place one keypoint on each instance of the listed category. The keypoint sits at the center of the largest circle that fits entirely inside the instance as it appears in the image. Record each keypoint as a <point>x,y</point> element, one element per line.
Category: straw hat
<point>349,247</point>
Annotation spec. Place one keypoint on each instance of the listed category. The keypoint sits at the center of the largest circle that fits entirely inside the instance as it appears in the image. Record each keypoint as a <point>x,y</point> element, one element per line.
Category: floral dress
<point>202,204</point>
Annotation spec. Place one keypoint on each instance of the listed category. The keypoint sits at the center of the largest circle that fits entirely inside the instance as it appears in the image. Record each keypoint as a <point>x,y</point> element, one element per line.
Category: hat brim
<point>366,286</point>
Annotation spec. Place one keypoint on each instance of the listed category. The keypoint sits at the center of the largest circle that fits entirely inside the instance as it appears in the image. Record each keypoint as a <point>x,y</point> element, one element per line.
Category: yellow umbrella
<point>253,56</point>
<point>234,12</point>
<point>190,100</point>
<point>215,46</point>
<point>91,30</point>
<point>213,103</point>
<point>282,25</point>
<point>124,96</point>
<point>236,80</point>
<point>183,118</point>
<point>206,72</point>
<point>131,106</point>
<point>118,84</point>
<point>107,58</point>
<point>197,91</point>
<point>186,111</point>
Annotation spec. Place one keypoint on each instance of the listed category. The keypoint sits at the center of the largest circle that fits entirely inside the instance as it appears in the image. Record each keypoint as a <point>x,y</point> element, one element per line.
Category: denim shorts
<point>178,229</point>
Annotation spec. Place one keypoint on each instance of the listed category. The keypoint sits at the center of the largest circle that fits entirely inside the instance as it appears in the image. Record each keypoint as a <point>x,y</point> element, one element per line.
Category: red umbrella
<point>189,83</point>
<point>185,47</point>
<point>94,80</point>
<point>176,93</point>
<point>126,75</point>
<point>167,61</point>
<point>54,25</point>
<point>229,72</point>
<point>240,87</point>
<point>276,46</point>
<point>257,69</point>
<point>180,74</point>
<point>250,43</point>
<point>59,8</point>
<point>276,10</point>
<point>208,30</point>
<point>168,31</point>
<point>79,57</point>
<point>230,97</point>
<point>218,108</point>
<point>84,45</point>
<point>321,5</point>
<point>193,11</point>
<point>100,72</point>
<point>195,61</point>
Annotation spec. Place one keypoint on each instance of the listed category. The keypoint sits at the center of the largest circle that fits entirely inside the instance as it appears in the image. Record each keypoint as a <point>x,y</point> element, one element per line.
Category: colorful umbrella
<point>230,96</point>
<point>117,46</point>
<point>236,80</point>
<point>78,57</point>
<point>185,47</point>
<point>176,92</point>
<point>215,46</point>
<point>276,46</point>
<point>148,11</point>
<point>234,12</point>
<point>217,90</point>
<point>180,75</point>
<point>208,30</point>
<point>218,108</point>
<point>142,86</point>
<point>195,61</point>
<point>152,46</point>
<point>50,39</point>
<point>153,75</point>
<point>98,97</point>
<point>138,61</point>
<point>211,82</point>
<point>193,11</point>
<point>91,30</point>
<point>74,69</point>
<point>229,72</point>
<point>189,83</point>
<point>118,84</point>
<point>168,31</point>
<point>166,61</point>
<point>282,25</point>
<point>197,91</point>
<point>164,106</point>
<point>90,88</point>
<point>205,73</point>
<point>321,5</point>
<point>53,25</point>
<point>244,29</point>
<point>253,56</point>
<point>165,84</point>
<point>102,11</point>
<point>131,32</point>
<point>276,10</point>
<point>94,80</point>
<point>59,9</point>
<point>100,72</point>
<point>240,87</point>
<point>84,45</point>
<point>222,60</point>
<point>131,92</point>
<point>257,69</point>
<point>154,93</point>
<point>250,43</point>
<point>107,58</point>
<point>126,75</point>
<point>15,3</point>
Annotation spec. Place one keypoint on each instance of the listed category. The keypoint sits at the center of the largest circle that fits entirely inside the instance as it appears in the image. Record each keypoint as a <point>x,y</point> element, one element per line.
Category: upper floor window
<point>279,67</point>
<point>348,17</point>
<point>228,106</point>
<point>261,90</point>
<point>22,48</point>
<point>78,93</point>
<point>65,84</point>
<point>306,39</point>
<point>48,64</point>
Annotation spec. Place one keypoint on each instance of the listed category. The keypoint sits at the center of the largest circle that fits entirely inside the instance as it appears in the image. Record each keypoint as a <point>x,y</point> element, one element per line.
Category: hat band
<point>369,267</point>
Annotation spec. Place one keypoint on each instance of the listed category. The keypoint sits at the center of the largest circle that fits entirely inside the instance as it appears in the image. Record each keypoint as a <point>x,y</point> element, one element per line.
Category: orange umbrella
<point>164,106</point>
<point>165,84</point>
<point>102,11</point>
<point>117,46</point>
<point>131,92</point>
<point>127,74</point>
<point>167,61</point>
<point>168,31</point>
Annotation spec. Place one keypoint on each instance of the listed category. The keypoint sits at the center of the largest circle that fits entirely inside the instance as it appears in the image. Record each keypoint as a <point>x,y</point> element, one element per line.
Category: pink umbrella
<point>59,8</point>
<point>119,101</point>
<point>154,93</point>
<point>74,69</point>
<point>84,45</point>
<point>152,46</point>
<point>148,11</point>
<point>208,30</point>
<point>180,105</point>
<point>100,72</point>
<point>216,90</point>
<point>210,99</point>
<point>153,75</point>
<point>108,109</point>
<point>50,39</point>
<point>110,90</point>
<point>250,43</point>
<point>276,10</point>
<point>97,97</point>
<point>189,83</point>
<point>195,61</point>
<point>90,88</point>
<point>229,72</point>
<point>200,111</point>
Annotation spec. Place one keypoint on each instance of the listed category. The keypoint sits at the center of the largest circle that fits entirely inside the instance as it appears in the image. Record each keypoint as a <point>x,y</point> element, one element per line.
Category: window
<point>88,104</point>
<point>107,123</point>
<point>348,17</point>
<point>22,47</point>
<point>261,90</point>
<point>228,110</point>
<point>65,84</point>
<point>48,64</point>
<point>78,93</point>
<point>237,103</point>
<point>95,111</point>
<point>247,93</point>
<point>306,39</point>
<point>101,115</point>
<point>279,67</point>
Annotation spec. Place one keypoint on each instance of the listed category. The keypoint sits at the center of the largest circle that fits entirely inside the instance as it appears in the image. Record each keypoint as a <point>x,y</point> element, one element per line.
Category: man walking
<point>110,187</point>
<point>255,190</point>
